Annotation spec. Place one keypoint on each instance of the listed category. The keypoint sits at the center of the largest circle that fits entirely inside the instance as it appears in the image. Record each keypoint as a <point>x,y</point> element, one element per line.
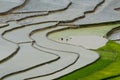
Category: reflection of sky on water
<point>6,5</point>
<point>16,1</point>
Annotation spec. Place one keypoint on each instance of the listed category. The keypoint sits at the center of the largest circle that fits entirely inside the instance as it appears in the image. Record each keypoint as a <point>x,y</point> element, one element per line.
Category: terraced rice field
<point>59,40</point>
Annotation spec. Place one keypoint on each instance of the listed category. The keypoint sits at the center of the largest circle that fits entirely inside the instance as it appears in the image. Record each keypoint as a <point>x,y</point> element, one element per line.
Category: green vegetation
<point>106,58</point>
<point>108,65</point>
<point>109,62</point>
<point>116,78</point>
<point>113,68</point>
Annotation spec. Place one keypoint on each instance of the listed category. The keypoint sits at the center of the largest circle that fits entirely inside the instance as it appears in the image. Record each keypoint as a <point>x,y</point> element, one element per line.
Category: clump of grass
<point>106,66</point>
<point>111,70</point>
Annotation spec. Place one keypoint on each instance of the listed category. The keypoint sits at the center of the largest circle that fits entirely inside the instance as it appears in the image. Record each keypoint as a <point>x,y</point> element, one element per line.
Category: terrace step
<point>7,48</point>
<point>74,11</point>
<point>23,32</point>
<point>26,50</point>
<point>101,15</point>
<point>7,5</point>
<point>2,25</point>
<point>20,16</point>
<point>66,59</point>
<point>42,6</point>
<point>26,58</point>
<point>114,34</point>
<point>86,56</point>
<point>29,11</point>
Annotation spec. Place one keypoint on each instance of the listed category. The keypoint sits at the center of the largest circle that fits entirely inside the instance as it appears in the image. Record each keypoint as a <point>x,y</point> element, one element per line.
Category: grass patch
<point>116,78</point>
<point>106,66</point>
<point>112,69</point>
<point>100,68</point>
